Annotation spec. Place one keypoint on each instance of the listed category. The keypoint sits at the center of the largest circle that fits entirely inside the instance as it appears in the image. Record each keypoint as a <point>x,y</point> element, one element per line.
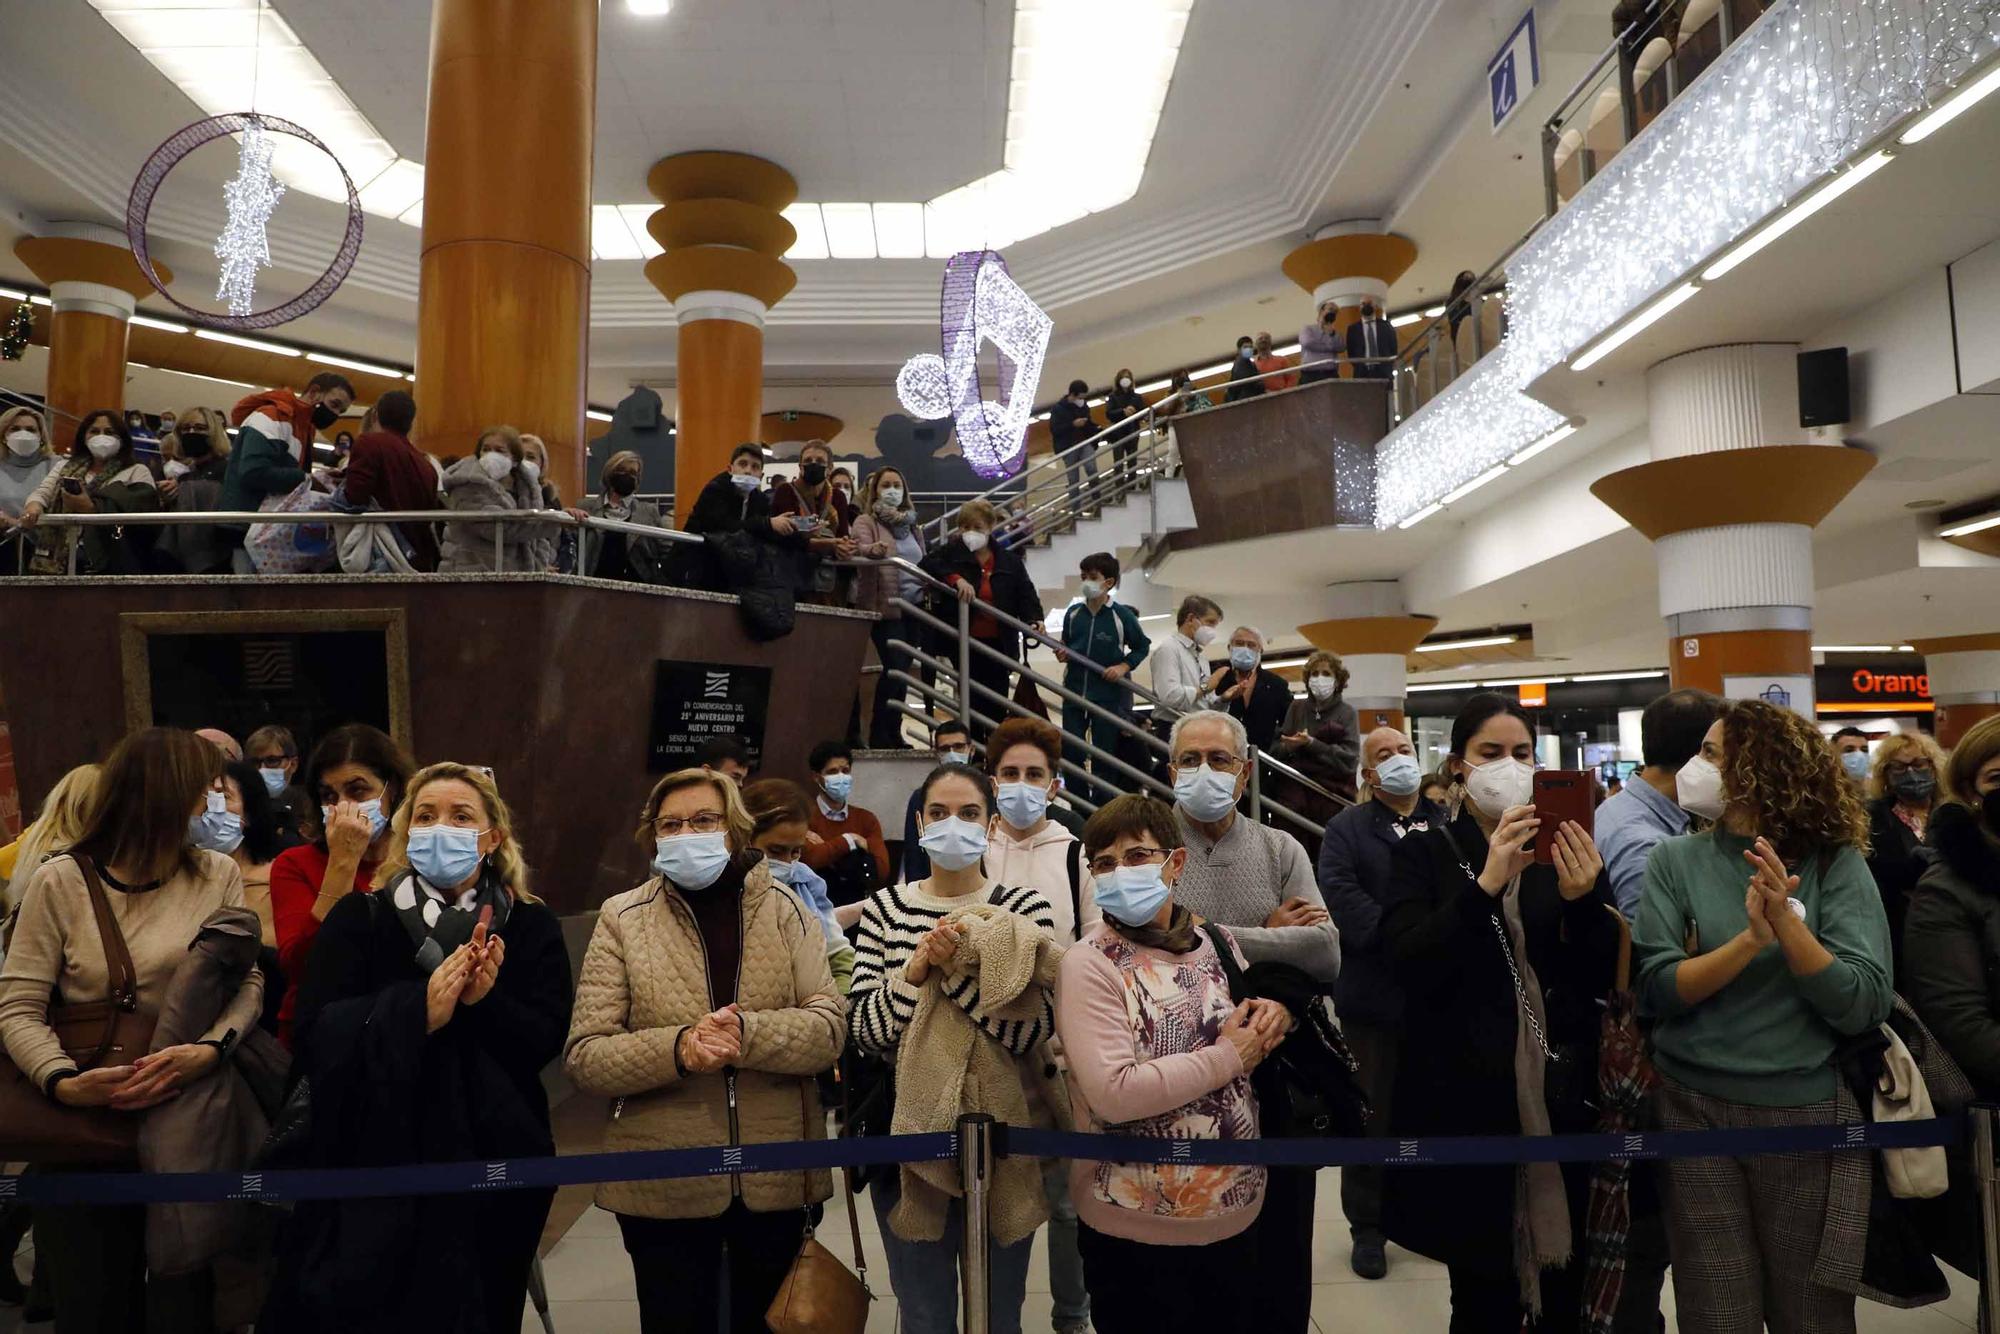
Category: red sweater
<point>386,468</point>
<point>295,880</point>
<point>859,822</point>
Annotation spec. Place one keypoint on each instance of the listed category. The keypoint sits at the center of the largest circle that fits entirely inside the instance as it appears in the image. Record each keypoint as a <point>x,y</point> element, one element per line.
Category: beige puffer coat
<point>644,979</point>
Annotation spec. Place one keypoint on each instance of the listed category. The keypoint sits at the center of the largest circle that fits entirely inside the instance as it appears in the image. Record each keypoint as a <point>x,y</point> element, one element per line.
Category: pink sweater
<point>1141,1029</point>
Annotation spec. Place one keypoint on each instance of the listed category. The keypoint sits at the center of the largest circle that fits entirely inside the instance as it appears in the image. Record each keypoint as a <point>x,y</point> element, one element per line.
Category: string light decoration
<point>1804,89</point>
<point>981,303</point>
<point>252,195</point>
<point>20,328</point>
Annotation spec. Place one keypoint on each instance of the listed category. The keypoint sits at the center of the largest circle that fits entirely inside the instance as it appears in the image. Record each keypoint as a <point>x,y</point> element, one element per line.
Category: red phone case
<point>1562,794</point>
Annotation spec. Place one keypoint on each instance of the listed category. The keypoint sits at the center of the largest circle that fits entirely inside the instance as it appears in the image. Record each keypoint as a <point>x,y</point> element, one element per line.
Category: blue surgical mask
<point>1242,657</point>
<point>216,829</point>
<point>785,873</point>
<point>1399,775</point>
<point>954,757</point>
<point>371,808</point>
<point>745,481</point>
<point>1855,762</point>
<point>446,855</point>
<point>1132,894</point>
<point>1022,804</point>
<point>952,843</point>
<point>1205,794</point>
<point>275,781</point>
<point>838,787</point>
<point>692,861</point>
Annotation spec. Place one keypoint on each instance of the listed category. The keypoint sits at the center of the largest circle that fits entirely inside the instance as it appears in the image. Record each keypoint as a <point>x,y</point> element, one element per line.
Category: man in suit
<point>1371,336</point>
<point>1354,864</point>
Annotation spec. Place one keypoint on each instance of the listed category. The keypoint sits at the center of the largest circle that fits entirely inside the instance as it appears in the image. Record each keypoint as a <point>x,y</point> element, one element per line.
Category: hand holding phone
<point>1559,795</point>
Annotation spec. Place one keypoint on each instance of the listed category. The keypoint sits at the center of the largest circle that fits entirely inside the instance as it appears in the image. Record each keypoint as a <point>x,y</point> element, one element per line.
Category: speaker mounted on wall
<point>1823,399</point>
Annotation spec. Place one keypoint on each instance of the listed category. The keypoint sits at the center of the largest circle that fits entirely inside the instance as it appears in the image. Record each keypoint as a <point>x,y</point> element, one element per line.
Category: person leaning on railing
<point>734,501</point>
<point>1761,945</point>
<point>101,476</point>
<point>885,528</point>
<point>425,1020</point>
<point>1320,345</point>
<point>706,1008</point>
<point>548,543</point>
<point>616,555</point>
<point>385,471</point>
<point>194,461</point>
<point>25,461</point>
<point>491,480</point>
<point>978,570</point>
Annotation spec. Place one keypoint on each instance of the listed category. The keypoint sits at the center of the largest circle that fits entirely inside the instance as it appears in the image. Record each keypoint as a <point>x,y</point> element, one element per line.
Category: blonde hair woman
<point>24,461</point>
<point>65,811</point>
<point>489,479</point>
<point>1904,788</point>
<point>427,1014</point>
<point>535,468</point>
<point>706,1006</point>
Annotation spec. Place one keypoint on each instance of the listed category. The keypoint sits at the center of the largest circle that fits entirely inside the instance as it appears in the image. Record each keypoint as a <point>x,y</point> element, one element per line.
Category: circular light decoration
<point>251,196</point>
<point>981,302</point>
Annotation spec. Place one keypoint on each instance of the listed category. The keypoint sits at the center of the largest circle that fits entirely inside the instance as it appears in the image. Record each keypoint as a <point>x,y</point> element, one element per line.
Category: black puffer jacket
<point>1951,945</point>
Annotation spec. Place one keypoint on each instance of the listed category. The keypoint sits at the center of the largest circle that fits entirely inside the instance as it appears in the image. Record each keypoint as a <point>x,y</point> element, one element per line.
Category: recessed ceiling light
<point>651,9</point>
<point>1483,641</point>
<point>1923,504</point>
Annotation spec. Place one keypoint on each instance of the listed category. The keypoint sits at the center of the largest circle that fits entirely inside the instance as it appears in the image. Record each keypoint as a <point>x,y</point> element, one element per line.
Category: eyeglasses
<point>1219,760</point>
<point>269,761</point>
<point>1895,768</point>
<point>1101,866</point>
<point>703,822</point>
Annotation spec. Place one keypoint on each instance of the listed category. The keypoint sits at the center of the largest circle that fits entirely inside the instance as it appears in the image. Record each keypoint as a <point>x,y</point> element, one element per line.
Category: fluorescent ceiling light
<point>899,231</point>
<point>1289,349</point>
<point>411,376</point>
<point>1797,212</point>
<point>254,344</point>
<point>594,415</point>
<point>12,294</point>
<point>396,189</point>
<point>1524,681</point>
<point>1413,520</point>
<point>1151,385</point>
<point>1097,402</point>
<point>1951,108</point>
<point>806,221</point>
<point>635,219</point>
<point>1971,526</point>
<point>1555,437</point>
<point>1854,648</point>
<point>1402,322</point>
<point>1497,470</point>
<point>1635,326</point>
<point>1483,641</point>
<point>651,9</point>
<point>1157,616</point>
<point>148,322</point>
<point>850,230</point>
<point>1433,312</point>
<point>1618,676</point>
<point>40,300</point>
<point>1447,685</point>
<point>349,363</point>
<point>1206,371</point>
<point>610,236</point>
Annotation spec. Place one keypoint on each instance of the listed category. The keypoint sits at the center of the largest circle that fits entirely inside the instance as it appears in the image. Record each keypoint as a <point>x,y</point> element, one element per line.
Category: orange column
<point>723,231</point>
<point>503,303</point>
<point>1347,262</point>
<point>94,287</point>
<point>1964,673</point>
<point>1703,660</point>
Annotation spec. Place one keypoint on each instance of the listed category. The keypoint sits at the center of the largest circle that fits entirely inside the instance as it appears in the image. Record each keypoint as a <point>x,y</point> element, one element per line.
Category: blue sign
<point>1515,72</point>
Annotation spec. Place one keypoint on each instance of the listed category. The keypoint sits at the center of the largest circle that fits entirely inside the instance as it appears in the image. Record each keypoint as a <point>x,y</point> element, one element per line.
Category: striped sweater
<point>882,1002</point>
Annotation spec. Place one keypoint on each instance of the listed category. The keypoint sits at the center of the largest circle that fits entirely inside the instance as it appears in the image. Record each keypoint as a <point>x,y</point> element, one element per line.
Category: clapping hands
<point>712,1042</point>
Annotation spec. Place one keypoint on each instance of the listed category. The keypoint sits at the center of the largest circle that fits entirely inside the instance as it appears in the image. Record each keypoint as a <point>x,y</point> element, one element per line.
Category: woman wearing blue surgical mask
<point>359,775</point>
<point>779,812</point>
<point>1502,960</point>
<point>426,1018</point>
<point>705,1008</point>
<point>1905,788</point>
<point>275,752</point>
<point>1159,1048</point>
<point>930,998</point>
<point>1321,737</point>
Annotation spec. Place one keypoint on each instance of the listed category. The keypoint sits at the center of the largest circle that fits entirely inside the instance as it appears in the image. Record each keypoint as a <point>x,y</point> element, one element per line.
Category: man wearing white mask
<point>1629,825</point>
<point>1256,881</point>
<point>1256,698</point>
<point>1180,667</point>
<point>1355,860</point>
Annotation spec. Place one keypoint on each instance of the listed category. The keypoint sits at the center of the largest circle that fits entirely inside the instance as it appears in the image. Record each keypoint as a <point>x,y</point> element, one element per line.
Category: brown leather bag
<point>34,1127</point>
<point>820,1295</point>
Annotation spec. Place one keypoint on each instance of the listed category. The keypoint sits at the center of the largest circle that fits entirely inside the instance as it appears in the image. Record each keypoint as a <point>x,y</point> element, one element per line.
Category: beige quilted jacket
<point>644,979</point>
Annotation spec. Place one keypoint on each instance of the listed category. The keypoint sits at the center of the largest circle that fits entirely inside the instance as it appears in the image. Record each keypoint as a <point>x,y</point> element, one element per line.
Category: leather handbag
<point>34,1127</point>
<point>820,1295</point>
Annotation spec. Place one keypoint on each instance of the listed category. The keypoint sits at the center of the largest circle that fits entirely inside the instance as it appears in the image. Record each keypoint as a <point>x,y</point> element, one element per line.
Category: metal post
<point>1551,140</point>
<point>1256,788</point>
<point>499,557</point>
<point>965,662</point>
<point>1984,1122</point>
<point>975,1170</point>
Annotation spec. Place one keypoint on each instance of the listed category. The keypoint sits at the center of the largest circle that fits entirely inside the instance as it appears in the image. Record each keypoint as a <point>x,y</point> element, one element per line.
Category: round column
<point>1348,262</point>
<point>94,290</point>
<point>723,231</point>
<point>503,303</point>
<point>1729,501</point>
<point>1964,679</point>
<point>1374,638</point>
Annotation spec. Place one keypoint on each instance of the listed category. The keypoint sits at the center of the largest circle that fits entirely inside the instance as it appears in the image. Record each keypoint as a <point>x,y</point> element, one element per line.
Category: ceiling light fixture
<point>611,235</point>
<point>1797,212</point>
<point>1951,108</point>
<point>1453,645</point>
<point>349,363</point>
<point>1413,520</point>
<point>1443,685</point>
<point>254,344</point>
<point>850,230</point>
<point>1633,327</point>
<point>1971,526</point>
<point>1588,677</point>
<point>1454,496</point>
<point>1404,321</point>
<point>1524,681</point>
<point>1854,648</point>
<point>597,416</point>
<point>811,227</point>
<point>650,9</point>
<point>164,326</point>
<point>1555,437</point>
<point>1206,371</point>
<point>12,294</point>
<point>1152,385</point>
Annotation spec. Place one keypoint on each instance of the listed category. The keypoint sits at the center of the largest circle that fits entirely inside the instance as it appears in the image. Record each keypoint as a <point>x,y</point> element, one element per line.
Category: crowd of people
<point>358,937</point>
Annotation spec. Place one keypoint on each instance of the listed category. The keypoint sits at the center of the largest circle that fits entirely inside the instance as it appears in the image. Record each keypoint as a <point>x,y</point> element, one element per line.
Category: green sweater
<point>1766,1038</point>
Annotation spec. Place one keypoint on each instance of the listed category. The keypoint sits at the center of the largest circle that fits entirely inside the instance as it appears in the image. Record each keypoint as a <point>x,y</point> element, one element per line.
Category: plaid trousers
<point>1745,1232</point>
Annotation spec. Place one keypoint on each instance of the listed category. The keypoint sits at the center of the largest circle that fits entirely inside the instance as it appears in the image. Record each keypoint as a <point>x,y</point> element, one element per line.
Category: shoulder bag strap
<point>124,978</point>
<point>1239,991</point>
<point>1076,887</point>
<point>847,1186</point>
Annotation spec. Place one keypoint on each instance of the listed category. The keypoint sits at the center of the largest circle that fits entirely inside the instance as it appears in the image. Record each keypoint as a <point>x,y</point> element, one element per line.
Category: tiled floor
<point>590,1285</point>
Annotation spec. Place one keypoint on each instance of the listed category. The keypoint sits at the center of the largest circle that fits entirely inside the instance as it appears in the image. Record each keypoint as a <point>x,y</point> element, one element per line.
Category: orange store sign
<point>1866,682</point>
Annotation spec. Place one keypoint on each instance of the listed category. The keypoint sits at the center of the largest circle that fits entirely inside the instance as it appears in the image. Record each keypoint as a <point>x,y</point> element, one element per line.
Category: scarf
<point>436,928</point>
<point>1541,1209</point>
<point>1178,936</point>
<point>897,521</point>
<point>283,405</point>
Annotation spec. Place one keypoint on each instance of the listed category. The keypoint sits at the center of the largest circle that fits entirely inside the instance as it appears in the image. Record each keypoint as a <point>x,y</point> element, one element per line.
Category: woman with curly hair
<point>1903,791</point>
<point>1761,944</point>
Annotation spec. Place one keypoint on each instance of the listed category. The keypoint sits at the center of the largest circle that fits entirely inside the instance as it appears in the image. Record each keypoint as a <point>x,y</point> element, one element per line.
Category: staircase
<point>1129,522</point>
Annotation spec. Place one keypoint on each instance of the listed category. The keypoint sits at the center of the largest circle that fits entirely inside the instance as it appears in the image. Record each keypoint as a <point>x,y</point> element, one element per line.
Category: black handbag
<point>1310,1084</point>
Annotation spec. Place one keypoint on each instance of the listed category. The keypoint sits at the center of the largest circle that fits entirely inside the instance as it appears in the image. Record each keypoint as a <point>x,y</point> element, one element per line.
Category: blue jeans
<point>1069,1301</point>
<point>924,1274</point>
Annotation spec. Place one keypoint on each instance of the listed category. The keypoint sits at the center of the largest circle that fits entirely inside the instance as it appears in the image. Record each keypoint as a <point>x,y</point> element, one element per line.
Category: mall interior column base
<point>94,288</point>
<point>1706,650</point>
<point>1964,680</point>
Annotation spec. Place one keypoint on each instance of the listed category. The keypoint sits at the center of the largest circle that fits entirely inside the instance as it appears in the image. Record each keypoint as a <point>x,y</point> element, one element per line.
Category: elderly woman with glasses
<point>705,1008</point>
<point>1904,789</point>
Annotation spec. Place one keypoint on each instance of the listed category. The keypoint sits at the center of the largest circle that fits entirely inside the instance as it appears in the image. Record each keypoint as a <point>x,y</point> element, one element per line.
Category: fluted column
<point>1373,636</point>
<point>94,289</point>
<point>1964,679</point>
<point>1348,262</point>
<point>723,230</point>
<point>1730,501</point>
<point>503,303</point>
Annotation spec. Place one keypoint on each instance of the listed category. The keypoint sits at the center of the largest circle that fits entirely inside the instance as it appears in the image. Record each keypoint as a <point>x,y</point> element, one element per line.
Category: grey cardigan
<point>468,547</point>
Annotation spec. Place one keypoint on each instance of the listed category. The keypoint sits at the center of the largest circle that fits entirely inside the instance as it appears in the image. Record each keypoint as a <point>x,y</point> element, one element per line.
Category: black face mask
<point>1989,811</point>
<point>621,484</point>
<point>1368,312</point>
<point>324,416</point>
<point>194,444</point>
<point>812,474</point>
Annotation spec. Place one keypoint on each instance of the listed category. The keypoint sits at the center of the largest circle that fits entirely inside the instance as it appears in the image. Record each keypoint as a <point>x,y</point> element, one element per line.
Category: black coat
<point>722,509</point>
<point>1894,860</point>
<point>1385,346</point>
<point>1243,368</point>
<point>1069,425</point>
<point>1013,591</point>
<point>1356,856</point>
<point>1456,1063</point>
<point>384,1092</point>
<point>1126,406</point>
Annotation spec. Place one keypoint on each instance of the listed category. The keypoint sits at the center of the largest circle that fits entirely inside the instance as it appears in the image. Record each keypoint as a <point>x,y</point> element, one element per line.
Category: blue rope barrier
<point>295,1184</point>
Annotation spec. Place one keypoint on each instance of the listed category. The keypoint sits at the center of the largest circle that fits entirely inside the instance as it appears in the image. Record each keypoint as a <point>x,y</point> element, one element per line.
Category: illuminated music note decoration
<point>981,303</point>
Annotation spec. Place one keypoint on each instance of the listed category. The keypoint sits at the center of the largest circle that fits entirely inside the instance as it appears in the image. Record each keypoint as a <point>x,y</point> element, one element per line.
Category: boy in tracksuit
<point>1105,633</point>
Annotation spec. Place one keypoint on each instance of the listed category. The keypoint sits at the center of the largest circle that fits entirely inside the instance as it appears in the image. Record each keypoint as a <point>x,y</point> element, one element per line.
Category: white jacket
<point>1180,678</point>
<point>1042,861</point>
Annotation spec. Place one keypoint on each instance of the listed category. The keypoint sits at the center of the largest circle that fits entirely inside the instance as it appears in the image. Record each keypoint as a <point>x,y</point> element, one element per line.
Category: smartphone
<point>806,523</point>
<point>1562,794</point>
<point>71,485</point>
